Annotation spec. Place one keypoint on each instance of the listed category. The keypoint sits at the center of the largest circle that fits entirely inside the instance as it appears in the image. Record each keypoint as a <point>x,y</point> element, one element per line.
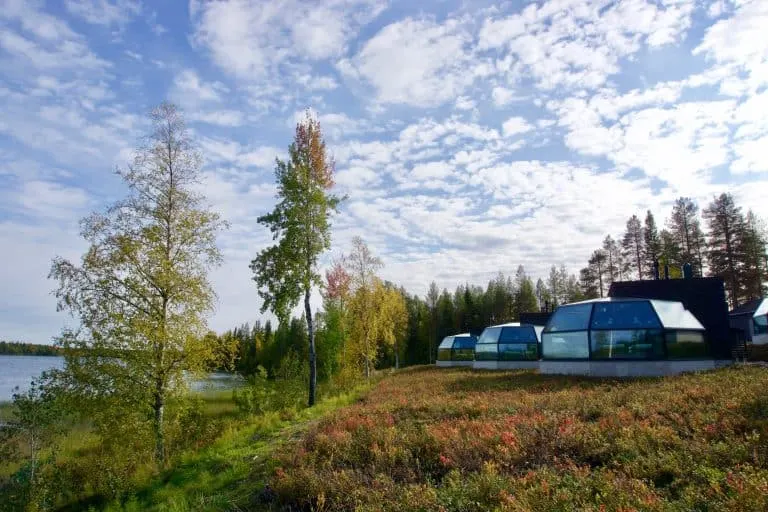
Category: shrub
<point>458,440</point>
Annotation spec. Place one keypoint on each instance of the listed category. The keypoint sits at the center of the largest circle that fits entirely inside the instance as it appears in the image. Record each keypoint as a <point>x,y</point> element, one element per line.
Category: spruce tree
<point>725,253</point>
<point>633,246</point>
<point>596,268</point>
<point>613,260</point>
<point>651,245</point>
<point>670,254</point>
<point>755,270</point>
<point>685,228</point>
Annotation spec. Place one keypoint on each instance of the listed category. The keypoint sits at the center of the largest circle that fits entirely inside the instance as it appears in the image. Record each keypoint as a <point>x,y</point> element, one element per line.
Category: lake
<point>20,370</point>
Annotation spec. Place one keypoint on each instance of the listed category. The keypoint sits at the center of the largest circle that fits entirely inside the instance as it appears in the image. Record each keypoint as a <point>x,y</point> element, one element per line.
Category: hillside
<point>459,440</point>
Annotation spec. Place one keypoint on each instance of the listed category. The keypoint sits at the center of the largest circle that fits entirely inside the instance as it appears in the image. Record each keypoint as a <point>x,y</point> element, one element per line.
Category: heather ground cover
<point>454,439</point>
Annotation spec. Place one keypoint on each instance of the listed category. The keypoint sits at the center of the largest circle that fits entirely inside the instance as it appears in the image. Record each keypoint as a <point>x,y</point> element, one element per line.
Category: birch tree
<point>141,291</point>
<point>301,227</point>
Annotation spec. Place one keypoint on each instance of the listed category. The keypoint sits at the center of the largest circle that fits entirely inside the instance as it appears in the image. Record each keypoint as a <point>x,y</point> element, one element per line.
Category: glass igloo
<point>508,346</point>
<point>456,350</point>
<point>616,330</point>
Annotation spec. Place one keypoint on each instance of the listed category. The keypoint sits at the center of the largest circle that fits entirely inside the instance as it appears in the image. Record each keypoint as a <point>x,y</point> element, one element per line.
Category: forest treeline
<point>399,328</point>
<point>17,348</point>
<point>731,244</point>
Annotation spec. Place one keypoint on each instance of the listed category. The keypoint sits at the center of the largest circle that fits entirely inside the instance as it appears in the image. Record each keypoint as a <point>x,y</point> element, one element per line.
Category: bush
<point>288,390</point>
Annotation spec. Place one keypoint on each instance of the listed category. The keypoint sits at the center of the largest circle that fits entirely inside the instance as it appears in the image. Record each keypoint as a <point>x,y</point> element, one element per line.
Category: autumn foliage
<point>427,439</point>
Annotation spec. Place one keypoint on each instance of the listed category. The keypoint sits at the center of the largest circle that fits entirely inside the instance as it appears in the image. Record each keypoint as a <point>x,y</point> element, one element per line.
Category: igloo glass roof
<point>458,341</point>
<point>511,332</point>
<point>762,309</point>
<point>622,313</point>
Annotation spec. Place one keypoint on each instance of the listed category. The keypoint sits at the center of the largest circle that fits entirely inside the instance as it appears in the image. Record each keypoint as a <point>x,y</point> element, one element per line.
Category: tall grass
<point>214,473</point>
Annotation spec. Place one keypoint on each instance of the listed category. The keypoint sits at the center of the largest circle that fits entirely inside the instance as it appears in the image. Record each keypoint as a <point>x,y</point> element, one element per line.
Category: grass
<point>6,411</point>
<point>225,474</point>
<point>231,473</point>
<point>452,439</point>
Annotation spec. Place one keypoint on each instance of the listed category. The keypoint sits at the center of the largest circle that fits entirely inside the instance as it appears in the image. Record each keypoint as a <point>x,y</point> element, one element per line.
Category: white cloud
<point>251,39</point>
<point>465,103</point>
<point>135,56</point>
<point>189,88</point>
<point>219,117</point>
<point>751,156</point>
<point>416,62</point>
<point>431,170</point>
<point>739,43</point>
<point>680,145</point>
<point>502,96</point>
<point>51,200</point>
<point>515,126</point>
<point>104,12</point>
<point>44,41</point>
<point>223,151</point>
<point>579,43</point>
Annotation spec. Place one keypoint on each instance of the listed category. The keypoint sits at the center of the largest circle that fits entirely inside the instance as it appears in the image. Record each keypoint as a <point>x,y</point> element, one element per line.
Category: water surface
<point>18,371</point>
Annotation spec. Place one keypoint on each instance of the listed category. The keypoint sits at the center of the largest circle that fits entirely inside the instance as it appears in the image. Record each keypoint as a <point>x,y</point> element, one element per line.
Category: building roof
<point>608,299</point>
<point>671,314</point>
<point>539,318</point>
<point>755,307</point>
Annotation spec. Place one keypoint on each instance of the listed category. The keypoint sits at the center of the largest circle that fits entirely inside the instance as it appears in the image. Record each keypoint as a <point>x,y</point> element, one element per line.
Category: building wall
<point>628,368</point>
<point>744,324</point>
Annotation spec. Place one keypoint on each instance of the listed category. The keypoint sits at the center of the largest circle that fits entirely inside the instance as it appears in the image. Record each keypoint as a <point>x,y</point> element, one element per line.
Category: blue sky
<point>470,136</point>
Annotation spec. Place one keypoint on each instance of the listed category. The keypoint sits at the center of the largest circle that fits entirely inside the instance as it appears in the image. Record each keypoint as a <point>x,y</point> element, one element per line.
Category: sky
<point>469,136</point>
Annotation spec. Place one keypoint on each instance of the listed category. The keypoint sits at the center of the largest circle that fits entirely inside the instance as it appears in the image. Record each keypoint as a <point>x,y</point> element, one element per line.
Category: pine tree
<point>597,265</point>
<point>589,282</point>
<point>685,229</point>
<point>445,315</point>
<point>725,253</point>
<point>633,246</point>
<point>651,245</point>
<point>554,286</point>
<point>669,254</point>
<point>755,270</point>
<point>525,299</point>
<point>613,260</point>
<point>543,296</point>
<point>433,295</point>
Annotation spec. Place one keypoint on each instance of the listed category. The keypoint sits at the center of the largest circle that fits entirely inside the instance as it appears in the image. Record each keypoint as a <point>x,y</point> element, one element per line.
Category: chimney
<point>666,271</point>
<point>656,270</point>
<point>687,271</point>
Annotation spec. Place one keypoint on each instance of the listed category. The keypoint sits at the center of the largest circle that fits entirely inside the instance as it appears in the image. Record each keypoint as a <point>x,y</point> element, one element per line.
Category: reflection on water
<point>217,381</point>
<point>20,370</point>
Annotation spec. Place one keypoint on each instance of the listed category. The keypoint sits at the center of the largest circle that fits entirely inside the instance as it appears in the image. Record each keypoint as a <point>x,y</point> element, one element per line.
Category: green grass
<point>231,473</point>
<point>227,474</point>
<point>6,411</point>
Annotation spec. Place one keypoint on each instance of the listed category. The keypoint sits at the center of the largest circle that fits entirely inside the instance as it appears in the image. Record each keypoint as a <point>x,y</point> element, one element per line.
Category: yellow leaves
<point>378,317</point>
